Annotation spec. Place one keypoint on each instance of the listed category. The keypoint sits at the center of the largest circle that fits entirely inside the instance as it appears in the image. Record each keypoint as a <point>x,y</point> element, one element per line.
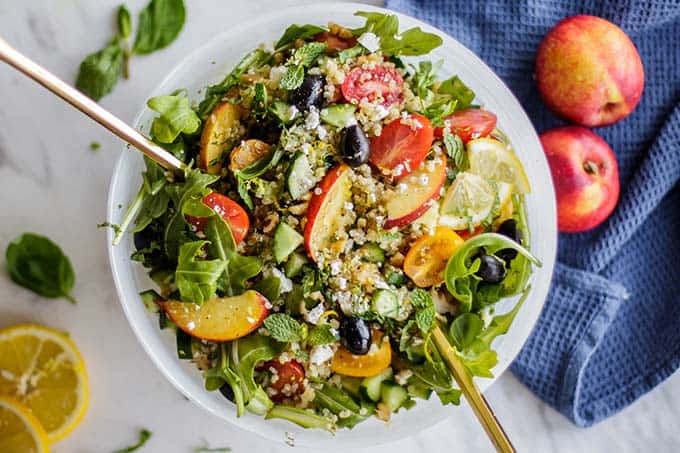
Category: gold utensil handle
<point>477,401</point>
<point>14,58</point>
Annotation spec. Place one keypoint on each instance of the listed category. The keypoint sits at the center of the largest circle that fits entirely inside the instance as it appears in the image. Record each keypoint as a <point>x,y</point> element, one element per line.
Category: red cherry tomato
<point>291,373</point>
<point>469,124</point>
<point>382,83</point>
<point>231,212</point>
<point>402,146</point>
<point>334,42</point>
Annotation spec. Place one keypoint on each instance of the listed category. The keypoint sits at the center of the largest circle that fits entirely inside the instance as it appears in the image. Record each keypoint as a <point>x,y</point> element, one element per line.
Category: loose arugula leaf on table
<point>302,58</point>
<point>175,117</point>
<point>38,264</point>
<point>196,279</point>
<point>99,71</point>
<point>284,328</point>
<point>411,42</point>
<point>144,436</point>
<point>124,20</point>
<point>160,22</point>
<point>295,32</point>
<point>207,449</point>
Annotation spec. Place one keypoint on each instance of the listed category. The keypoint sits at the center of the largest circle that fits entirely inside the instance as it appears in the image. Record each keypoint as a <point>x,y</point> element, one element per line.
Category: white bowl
<point>197,71</point>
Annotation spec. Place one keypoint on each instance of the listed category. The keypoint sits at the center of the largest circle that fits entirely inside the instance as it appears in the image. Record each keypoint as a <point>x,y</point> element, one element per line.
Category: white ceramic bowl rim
<point>129,279</point>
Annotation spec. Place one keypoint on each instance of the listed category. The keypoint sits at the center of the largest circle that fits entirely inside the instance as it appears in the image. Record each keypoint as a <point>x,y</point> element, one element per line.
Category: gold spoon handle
<point>14,58</point>
<point>477,401</point>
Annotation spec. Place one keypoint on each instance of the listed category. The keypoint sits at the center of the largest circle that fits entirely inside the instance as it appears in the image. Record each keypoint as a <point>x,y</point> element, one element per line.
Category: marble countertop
<point>52,183</point>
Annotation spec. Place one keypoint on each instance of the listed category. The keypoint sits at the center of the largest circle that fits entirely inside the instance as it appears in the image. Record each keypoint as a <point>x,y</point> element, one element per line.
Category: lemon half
<point>20,431</point>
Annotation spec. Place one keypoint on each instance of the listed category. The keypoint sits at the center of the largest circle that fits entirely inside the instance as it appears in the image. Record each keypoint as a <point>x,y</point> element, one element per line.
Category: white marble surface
<point>51,183</point>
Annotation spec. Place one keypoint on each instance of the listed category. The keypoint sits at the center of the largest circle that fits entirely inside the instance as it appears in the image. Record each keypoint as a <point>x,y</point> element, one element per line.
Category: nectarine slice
<point>219,136</point>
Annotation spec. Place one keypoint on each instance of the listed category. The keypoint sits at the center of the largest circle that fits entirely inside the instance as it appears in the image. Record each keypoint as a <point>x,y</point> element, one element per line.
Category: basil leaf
<point>144,436</point>
<point>176,117</point>
<point>295,32</point>
<point>456,89</point>
<point>160,22</point>
<point>38,264</point>
<point>197,279</point>
<point>124,20</point>
<point>99,71</point>
<point>284,328</point>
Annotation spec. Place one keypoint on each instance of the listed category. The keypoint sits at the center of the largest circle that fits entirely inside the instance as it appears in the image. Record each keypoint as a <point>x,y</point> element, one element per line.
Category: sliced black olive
<point>510,230</point>
<point>310,93</point>
<point>354,146</point>
<point>491,269</point>
<point>355,335</point>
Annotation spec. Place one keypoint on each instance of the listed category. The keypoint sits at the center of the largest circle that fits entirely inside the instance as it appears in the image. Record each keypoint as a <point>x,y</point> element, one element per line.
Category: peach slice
<point>219,136</point>
<point>220,318</point>
<point>420,189</point>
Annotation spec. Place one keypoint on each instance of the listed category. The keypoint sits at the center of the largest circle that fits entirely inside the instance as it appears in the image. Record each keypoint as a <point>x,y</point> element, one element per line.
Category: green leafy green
<point>259,167</point>
<point>207,449</point>
<point>425,313</point>
<point>338,402</point>
<point>160,22</point>
<point>269,287</point>
<point>320,335</point>
<point>465,329</point>
<point>260,99</point>
<point>455,149</point>
<point>292,78</point>
<point>144,436</point>
<point>95,146</point>
<point>302,58</point>
<point>295,32</point>
<point>197,279</point>
<point>176,117</point>
<point>252,350</point>
<point>411,42</point>
<point>456,89</point>
<point>424,78</point>
<point>99,71</point>
<point>284,328</point>
<point>347,54</point>
<point>302,417</point>
<point>223,372</point>
<point>38,264</point>
<point>124,21</point>
<point>282,112</point>
<point>439,110</point>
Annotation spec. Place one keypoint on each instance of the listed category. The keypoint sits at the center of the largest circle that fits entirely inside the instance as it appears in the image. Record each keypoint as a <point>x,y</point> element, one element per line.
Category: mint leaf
<point>425,314</point>
<point>307,55</point>
<point>144,436</point>
<point>454,149</point>
<point>284,328</point>
<point>292,78</point>
<point>160,22</point>
<point>196,279</point>
<point>320,335</point>
<point>176,117</point>
<point>99,71</point>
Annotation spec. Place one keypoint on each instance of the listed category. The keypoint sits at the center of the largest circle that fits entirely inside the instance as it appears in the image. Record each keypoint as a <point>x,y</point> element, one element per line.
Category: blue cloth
<point>610,329</point>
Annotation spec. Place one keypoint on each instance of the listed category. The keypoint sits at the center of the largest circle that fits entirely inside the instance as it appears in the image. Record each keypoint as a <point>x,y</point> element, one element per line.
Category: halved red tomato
<point>402,146</point>
<point>381,84</point>
<point>291,373</point>
<point>229,210</point>
<point>468,124</point>
<point>334,42</point>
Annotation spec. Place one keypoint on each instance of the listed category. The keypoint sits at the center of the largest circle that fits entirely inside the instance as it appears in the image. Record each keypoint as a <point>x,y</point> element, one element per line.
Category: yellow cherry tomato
<point>426,260</point>
<point>375,362</point>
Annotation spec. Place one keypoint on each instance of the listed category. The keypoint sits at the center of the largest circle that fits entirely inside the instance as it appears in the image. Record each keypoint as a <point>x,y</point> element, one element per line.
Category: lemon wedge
<point>20,431</point>
<point>492,160</point>
<point>470,199</point>
<point>43,370</point>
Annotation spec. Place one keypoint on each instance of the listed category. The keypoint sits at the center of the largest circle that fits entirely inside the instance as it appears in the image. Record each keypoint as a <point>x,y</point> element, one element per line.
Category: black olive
<point>491,269</point>
<point>227,392</point>
<point>142,239</point>
<point>510,230</point>
<point>310,93</point>
<point>355,335</point>
<point>354,146</point>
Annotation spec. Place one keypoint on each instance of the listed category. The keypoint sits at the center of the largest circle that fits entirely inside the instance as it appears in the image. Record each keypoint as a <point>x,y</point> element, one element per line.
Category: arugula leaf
<point>260,166</point>
<point>269,287</point>
<point>176,117</point>
<point>500,324</point>
<point>347,54</point>
<point>207,449</point>
<point>456,89</point>
<point>223,372</point>
<point>160,22</point>
<point>242,187</point>
<point>321,335</point>
<point>144,436</point>
<point>425,77</point>
<point>99,71</point>
<point>411,42</point>
<point>425,313</point>
<point>260,99</point>
<point>439,110</point>
<point>465,329</point>
<point>295,32</point>
<point>252,350</point>
<point>450,397</point>
<point>282,112</point>
<point>38,264</point>
<point>301,417</point>
<point>284,328</point>
<point>197,279</point>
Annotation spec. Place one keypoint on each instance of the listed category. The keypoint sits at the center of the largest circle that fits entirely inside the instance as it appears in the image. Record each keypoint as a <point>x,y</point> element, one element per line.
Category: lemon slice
<point>41,368</point>
<point>20,431</point>
<point>469,201</point>
<point>495,161</point>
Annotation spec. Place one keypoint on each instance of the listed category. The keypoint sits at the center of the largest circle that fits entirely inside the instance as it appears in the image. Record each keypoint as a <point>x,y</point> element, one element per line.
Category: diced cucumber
<point>386,303</point>
<point>283,112</point>
<point>395,277</point>
<point>371,385</point>
<point>286,240</point>
<point>372,253</point>
<point>338,115</point>
<point>300,178</point>
<point>184,350</point>
<point>294,264</point>
<point>269,287</point>
<point>149,299</point>
<point>393,396</point>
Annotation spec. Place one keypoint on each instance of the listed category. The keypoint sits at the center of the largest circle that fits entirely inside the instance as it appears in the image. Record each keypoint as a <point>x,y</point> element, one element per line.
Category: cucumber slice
<point>372,253</point>
<point>371,386</point>
<point>286,240</point>
<point>395,277</point>
<point>385,303</point>
<point>393,396</point>
<point>294,264</point>
<point>300,178</point>
<point>338,115</point>
<point>149,299</point>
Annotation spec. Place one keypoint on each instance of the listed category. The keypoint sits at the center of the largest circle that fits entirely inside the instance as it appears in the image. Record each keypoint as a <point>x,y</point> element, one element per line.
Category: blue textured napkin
<point>610,329</point>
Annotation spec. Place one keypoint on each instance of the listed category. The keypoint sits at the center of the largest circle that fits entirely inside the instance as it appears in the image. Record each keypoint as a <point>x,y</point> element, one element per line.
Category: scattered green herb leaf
<point>160,22</point>
<point>99,71</point>
<point>144,436</point>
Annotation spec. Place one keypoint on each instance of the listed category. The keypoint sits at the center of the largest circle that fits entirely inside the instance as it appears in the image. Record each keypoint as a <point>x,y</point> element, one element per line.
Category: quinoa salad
<point>340,200</point>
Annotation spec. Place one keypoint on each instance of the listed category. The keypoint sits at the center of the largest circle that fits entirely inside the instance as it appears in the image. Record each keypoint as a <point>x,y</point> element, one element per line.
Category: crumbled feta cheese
<point>320,354</point>
<point>342,283</point>
<point>292,111</point>
<point>402,377</point>
<point>321,132</point>
<point>336,266</point>
<point>315,313</point>
<point>286,283</point>
<point>370,41</point>
<point>276,73</point>
<point>312,119</point>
